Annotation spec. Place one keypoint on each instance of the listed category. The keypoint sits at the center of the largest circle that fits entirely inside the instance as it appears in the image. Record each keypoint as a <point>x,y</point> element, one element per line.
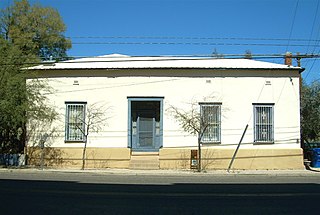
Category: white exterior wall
<point>236,94</point>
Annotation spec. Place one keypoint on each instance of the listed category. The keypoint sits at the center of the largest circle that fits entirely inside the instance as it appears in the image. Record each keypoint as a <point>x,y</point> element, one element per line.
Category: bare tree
<point>96,118</point>
<point>192,122</point>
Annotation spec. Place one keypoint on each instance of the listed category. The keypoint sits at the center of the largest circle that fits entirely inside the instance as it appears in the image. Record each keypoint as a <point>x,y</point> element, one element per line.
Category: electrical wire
<point>313,24</point>
<point>199,41</point>
<point>110,59</point>
<point>112,87</point>
<point>294,18</point>
<point>192,38</point>
<point>312,30</point>
<point>195,44</point>
<point>309,71</point>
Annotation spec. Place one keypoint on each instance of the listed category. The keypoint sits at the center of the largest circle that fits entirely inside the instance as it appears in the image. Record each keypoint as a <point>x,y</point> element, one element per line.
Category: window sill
<point>263,143</point>
<point>74,141</point>
<point>211,143</point>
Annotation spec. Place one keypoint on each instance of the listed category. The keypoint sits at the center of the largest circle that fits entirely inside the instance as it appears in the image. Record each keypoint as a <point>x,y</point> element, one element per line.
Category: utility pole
<point>298,59</point>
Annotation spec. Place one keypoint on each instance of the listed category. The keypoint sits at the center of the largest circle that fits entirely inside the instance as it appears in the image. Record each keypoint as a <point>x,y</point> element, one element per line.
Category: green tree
<point>12,98</point>
<point>28,34</point>
<point>310,111</point>
<point>35,30</point>
<point>20,103</point>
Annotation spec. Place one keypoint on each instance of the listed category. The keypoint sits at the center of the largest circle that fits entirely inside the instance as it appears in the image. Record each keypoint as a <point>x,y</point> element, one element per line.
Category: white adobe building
<point>140,131</point>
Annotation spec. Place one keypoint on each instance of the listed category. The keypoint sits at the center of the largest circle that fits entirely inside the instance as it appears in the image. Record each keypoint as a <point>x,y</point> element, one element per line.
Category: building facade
<point>139,130</point>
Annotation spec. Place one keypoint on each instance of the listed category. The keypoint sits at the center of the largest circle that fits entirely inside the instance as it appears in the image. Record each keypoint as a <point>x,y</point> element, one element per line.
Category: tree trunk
<point>199,154</point>
<point>84,154</point>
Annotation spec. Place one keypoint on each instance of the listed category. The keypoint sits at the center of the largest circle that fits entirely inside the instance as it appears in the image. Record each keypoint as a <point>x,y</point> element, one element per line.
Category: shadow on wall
<point>51,157</point>
<point>60,158</point>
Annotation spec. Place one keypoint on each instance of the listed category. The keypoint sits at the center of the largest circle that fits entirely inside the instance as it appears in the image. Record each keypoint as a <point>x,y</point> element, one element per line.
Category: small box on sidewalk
<point>194,159</point>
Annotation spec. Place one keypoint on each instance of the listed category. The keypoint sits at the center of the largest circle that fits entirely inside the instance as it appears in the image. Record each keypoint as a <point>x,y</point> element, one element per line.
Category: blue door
<point>145,124</point>
<point>145,133</point>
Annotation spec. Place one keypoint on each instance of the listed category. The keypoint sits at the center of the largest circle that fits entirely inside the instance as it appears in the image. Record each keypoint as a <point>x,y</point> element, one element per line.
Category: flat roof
<point>117,61</point>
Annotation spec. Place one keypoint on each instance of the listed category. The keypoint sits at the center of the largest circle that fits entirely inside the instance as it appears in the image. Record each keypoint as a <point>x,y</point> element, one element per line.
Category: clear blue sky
<point>181,20</point>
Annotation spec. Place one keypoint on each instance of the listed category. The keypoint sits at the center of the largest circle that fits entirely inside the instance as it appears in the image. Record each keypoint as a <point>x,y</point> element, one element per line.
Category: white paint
<point>236,95</point>
<point>236,89</point>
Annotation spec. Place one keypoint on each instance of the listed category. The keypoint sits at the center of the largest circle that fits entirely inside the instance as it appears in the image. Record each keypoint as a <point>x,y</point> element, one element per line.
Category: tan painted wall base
<point>72,157</point>
<point>171,158</point>
<point>246,159</point>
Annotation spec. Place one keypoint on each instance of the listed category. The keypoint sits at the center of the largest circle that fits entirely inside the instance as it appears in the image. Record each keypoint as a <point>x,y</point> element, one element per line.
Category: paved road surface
<point>76,193</point>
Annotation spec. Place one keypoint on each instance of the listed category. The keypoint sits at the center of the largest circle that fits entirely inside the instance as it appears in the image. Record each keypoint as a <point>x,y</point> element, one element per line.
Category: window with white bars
<point>75,121</point>
<point>263,123</point>
<point>210,122</point>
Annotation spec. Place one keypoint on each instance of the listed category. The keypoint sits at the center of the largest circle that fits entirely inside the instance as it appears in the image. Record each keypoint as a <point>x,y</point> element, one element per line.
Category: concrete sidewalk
<point>311,171</point>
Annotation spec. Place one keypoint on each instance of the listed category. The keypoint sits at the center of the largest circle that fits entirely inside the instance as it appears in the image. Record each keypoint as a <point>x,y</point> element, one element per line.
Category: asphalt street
<point>56,192</point>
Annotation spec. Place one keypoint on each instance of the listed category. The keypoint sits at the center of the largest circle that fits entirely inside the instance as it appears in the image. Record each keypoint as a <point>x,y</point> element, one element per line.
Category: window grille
<point>263,123</point>
<point>75,121</point>
<point>210,122</point>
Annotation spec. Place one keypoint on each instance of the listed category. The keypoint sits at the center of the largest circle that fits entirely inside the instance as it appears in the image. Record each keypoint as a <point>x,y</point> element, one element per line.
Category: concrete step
<point>144,154</point>
<point>144,162</point>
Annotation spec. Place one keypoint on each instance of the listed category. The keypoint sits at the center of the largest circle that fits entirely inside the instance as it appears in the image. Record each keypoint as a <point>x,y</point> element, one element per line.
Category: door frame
<point>143,98</point>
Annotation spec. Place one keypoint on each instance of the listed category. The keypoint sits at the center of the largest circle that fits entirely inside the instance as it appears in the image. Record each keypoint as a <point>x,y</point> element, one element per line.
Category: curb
<point>306,172</point>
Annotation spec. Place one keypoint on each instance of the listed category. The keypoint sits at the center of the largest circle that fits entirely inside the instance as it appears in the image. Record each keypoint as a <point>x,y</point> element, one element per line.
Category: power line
<point>192,38</point>
<point>112,87</point>
<point>313,24</point>
<point>312,30</point>
<point>315,46</point>
<point>309,71</point>
<point>195,43</point>
<point>137,58</point>
<point>316,80</point>
<point>294,18</point>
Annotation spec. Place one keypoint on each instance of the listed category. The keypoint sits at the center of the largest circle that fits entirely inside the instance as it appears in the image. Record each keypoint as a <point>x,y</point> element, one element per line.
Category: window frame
<point>258,125</point>
<point>67,136</point>
<point>215,125</point>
